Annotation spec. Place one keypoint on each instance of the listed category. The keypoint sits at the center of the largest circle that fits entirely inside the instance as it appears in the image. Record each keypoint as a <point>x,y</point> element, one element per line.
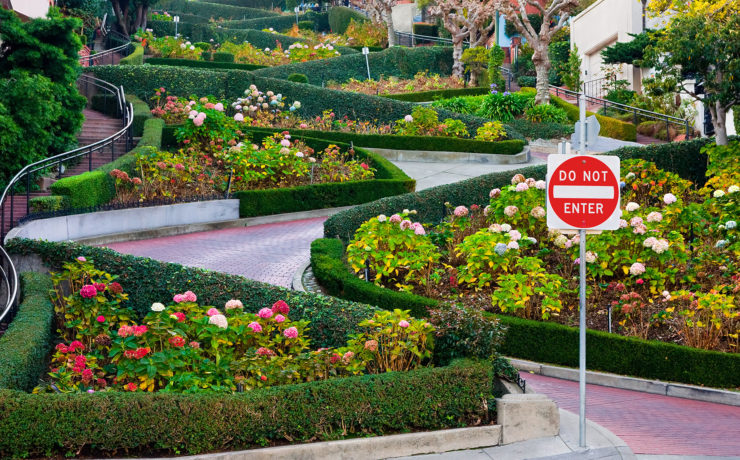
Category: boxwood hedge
<point>136,57</point>
<point>217,11</point>
<point>427,96</point>
<point>340,17</point>
<point>212,65</point>
<point>265,4</point>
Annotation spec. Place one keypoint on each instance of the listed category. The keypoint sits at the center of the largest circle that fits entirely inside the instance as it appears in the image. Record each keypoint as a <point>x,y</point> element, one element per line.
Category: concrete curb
<point>372,448</point>
<point>209,226</point>
<point>677,390</point>
<point>297,283</point>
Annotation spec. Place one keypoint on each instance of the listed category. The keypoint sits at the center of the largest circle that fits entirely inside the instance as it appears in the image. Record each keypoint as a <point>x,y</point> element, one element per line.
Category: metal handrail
<point>127,114</point>
<point>416,38</point>
<point>10,280</point>
<point>635,111</point>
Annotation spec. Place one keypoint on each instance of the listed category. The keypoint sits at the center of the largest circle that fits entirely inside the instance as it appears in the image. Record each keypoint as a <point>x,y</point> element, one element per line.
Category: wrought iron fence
<point>412,39</point>
<point>596,87</point>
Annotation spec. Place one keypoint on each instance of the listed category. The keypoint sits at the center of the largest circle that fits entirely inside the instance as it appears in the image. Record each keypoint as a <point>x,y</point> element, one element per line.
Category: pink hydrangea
<point>515,235</point>
<point>538,212</point>
<point>419,229</point>
<point>511,210</point>
<point>140,330</point>
<point>495,193</point>
<point>82,259</point>
<point>178,298</point>
<point>461,211</point>
<point>190,296</point>
<point>262,351</point>
<point>219,320</point>
<point>408,119</point>
<point>513,245</point>
<point>348,357</point>
<point>654,217</point>
<point>219,106</point>
<point>233,303</point>
<point>403,323</point>
<point>265,313</point>
<point>495,228</point>
<point>486,210</point>
<point>285,143</point>
<point>255,326</point>
<point>639,229</point>
<point>405,224</point>
<point>540,185</point>
<point>635,221</point>
<point>125,331</point>
<point>517,179</point>
<point>238,117</point>
<point>395,218</point>
<point>198,121</point>
<point>291,333</point>
<point>650,242</point>
<point>279,318</point>
<point>88,291</point>
<point>281,307</point>
<point>100,319</point>
<point>669,198</point>
<point>637,269</point>
<point>522,187</point>
<point>212,312</point>
<point>623,223</point>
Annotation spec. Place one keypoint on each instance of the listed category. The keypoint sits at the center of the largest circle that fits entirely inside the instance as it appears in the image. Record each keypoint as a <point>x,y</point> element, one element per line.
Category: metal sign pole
<point>582,318</point>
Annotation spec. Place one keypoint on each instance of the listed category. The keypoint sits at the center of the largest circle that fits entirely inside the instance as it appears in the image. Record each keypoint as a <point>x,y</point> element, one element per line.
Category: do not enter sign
<point>583,192</point>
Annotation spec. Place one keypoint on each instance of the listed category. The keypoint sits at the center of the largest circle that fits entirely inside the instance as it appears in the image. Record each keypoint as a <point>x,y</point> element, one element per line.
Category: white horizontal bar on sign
<point>583,191</point>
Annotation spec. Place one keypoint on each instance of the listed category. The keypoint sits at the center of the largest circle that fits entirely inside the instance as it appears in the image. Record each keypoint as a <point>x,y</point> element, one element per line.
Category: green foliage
<point>136,57</point>
<point>47,203</point>
<point>206,64</point>
<point>546,113</point>
<point>504,107</point>
<point>424,399</point>
<point>223,57</point>
<point>610,127</point>
<point>532,130</point>
<point>264,4</point>
<point>465,332</point>
<point>526,81</point>
<point>571,70</point>
<point>422,28</point>
<point>216,11</point>
<point>631,52</point>
<point>290,4</point>
<point>534,19</point>
<point>298,78</point>
<point>476,62</point>
<point>340,16</point>
<point>258,24</point>
<point>620,96</point>
<point>426,96</point>
<point>38,68</point>
<point>491,131</point>
<point>559,54</point>
<point>495,59</point>
<point>98,187</point>
<point>141,114</point>
<point>306,25</point>
<point>24,346</point>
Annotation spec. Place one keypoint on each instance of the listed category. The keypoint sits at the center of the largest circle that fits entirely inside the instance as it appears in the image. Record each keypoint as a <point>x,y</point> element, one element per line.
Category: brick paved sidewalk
<point>271,253</point>
<point>648,423</point>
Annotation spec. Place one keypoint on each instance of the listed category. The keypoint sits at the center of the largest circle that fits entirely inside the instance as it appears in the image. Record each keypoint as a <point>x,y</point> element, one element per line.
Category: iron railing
<point>110,54</point>
<point>412,39</point>
<point>596,87</point>
<point>8,287</point>
<point>89,86</point>
<point>636,112</point>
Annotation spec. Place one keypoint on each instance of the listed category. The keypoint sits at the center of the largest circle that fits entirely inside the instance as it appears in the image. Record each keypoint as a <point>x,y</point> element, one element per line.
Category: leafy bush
<point>465,332</point>
<point>214,10</point>
<point>491,131</point>
<point>223,57</point>
<point>340,17</point>
<point>49,203</point>
<point>546,113</point>
<point>620,96</point>
<point>306,25</point>
<point>136,57</point>
<point>443,94</point>
<point>533,130</point>
<point>504,106</point>
<point>24,346</point>
<point>298,78</point>
<point>571,70</point>
<point>495,59</point>
<point>526,81</point>
<point>204,64</point>
<point>422,28</point>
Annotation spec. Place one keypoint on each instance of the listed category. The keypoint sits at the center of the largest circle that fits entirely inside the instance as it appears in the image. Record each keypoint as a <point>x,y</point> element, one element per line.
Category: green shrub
<point>49,203</point>
<point>205,64</point>
<point>546,113</point>
<point>264,4</point>
<point>135,58</point>
<point>620,96</point>
<point>339,17</point>
<point>97,187</point>
<point>216,11</point>
<point>206,56</point>
<point>203,46</point>
<point>525,81</point>
<point>220,56</point>
<point>305,25</point>
<point>24,346</point>
<point>277,23</point>
<point>422,28</point>
<point>141,114</point>
<point>426,96</point>
<point>533,130</point>
<point>140,423</point>
<point>610,127</point>
<point>298,78</point>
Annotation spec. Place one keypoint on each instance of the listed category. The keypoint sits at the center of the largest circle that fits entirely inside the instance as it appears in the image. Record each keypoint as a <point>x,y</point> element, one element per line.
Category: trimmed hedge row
<point>141,114</point>
<point>97,187</point>
<point>279,23</point>
<point>213,65</point>
<point>427,96</point>
<point>542,341</point>
<point>145,423</point>
<point>135,58</point>
<point>217,11</point>
<point>264,4</point>
<point>24,345</point>
<point>230,84</point>
<point>192,30</point>
<point>340,17</point>
<point>397,61</point>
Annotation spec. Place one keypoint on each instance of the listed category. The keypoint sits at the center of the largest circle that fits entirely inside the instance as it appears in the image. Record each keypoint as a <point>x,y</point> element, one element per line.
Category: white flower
<point>506,228</point>
<point>233,303</point>
<point>591,257</point>
<point>299,154</point>
<point>630,176</point>
<point>513,245</point>
<point>730,224</point>
<point>718,193</point>
<point>192,48</point>
<point>382,218</point>
<point>267,50</point>
<point>156,306</point>
<point>515,235</point>
<point>408,119</point>
<point>733,189</point>
<point>540,185</point>
<point>219,320</point>
<point>623,223</point>
<point>297,104</point>
<point>631,206</point>
<point>560,241</point>
<point>495,228</point>
<point>238,117</point>
<point>183,45</point>
<point>311,160</point>
<point>666,295</point>
<point>654,217</point>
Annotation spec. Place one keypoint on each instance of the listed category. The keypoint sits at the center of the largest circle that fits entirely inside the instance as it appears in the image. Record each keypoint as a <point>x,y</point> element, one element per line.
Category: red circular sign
<point>583,192</point>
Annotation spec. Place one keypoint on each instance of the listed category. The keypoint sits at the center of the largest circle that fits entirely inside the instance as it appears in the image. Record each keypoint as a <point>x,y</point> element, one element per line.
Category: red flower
<point>88,291</point>
<point>100,319</point>
<point>177,341</point>
<point>132,386</point>
<point>195,344</point>
<point>180,316</point>
<point>280,307</point>
<point>100,287</point>
<point>87,375</point>
<point>102,383</point>
<point>76,345</point>
<point>141,352</point>
<point>115,288</point>
<point>640,281</point>
<point>263,378</point>
<point>139,330</point>
<point>334,358</point>
<point>364,166</point>
<point>61,348</point>
<point>80,360</point>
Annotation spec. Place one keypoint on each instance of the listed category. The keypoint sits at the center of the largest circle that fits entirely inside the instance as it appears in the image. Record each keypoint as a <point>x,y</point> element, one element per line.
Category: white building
<point>29,9</point>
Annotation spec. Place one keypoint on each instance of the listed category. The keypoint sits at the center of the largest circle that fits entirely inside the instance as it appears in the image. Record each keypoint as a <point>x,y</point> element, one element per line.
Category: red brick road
<point>648,423</point>
<point>271,253</point>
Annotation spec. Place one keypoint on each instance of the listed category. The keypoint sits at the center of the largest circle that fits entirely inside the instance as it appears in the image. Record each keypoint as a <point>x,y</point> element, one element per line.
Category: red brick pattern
<point>648,423</point>
<point>271,253</point>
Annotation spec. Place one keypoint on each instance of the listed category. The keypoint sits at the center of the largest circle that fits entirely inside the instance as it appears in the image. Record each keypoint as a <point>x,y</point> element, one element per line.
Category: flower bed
<point>422,81</point>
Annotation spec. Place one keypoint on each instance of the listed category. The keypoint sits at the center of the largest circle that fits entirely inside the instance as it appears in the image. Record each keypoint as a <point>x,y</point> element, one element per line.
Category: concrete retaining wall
<point>80,226</point>
<point>453,157</point>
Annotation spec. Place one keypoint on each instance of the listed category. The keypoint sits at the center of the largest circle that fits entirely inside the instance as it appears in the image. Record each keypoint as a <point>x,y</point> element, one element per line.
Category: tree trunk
<point>391,31</point>
<point>139,17</point>
<point>146,18</point>
<point>541,61</point>
<point>458,68</point>
<point>122,16</point>
<point>719,119</point>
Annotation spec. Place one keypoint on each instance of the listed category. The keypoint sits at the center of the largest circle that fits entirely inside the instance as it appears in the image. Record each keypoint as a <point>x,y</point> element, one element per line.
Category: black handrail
<point>624,108</point>
<point>8,287</point>
<point>125,111</point>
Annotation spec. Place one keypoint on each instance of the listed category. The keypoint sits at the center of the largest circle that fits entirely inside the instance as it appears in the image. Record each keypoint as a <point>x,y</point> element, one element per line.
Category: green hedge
<point>135,58</point>
<point>194,30</point>
<point>396,61</point>
<point>141,114</point>
<point>106,424</point>
<point>535,130</point>
<point>97,187</point>
<point>279,23</point>
<point>340,16</point>
<point>230,84</point>
<point>264,4</point>
<point>49,203</point>
<point>216,11</point>
<point>213,65</point>
<point>610,127</point>
<point>427,96</point>
<point>422,28</point>
<point>24,345</point>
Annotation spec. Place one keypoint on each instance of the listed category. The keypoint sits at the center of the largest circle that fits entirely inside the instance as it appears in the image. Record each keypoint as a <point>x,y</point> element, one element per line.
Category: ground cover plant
<point>422,81</point>
<point>181,346</point>
<point>669,273</point>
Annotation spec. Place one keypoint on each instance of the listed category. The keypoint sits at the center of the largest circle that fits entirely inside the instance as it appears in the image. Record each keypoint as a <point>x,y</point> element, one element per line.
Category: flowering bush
<point>491,131</point>
<point>422,81</point>
<point>365,33</point>
<point>181,346</point>
<point>424,121</point>
<point>669,272</point>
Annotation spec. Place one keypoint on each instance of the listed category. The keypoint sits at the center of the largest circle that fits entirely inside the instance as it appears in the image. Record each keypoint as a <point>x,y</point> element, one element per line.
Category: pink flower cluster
<point>136,331</point>
<point>280,307</point>
<point>212,312</point>
<point>460,211</point>
<point>255,326</point>
<point>265,313</point>
<point>179,316</point>
<point>291,333</point>
<point>88,291</point>
<point>188,296</point>
<point>71,348</point>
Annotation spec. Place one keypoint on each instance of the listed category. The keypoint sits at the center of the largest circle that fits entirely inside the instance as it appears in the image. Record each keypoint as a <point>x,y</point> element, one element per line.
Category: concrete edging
<point>460,157</point>
<point>678,390</point>
<point>297,283</point>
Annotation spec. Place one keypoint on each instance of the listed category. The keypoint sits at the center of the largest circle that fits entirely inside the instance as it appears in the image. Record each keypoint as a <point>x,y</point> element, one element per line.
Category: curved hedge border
<point>428,96</point>
<point>24,346</point>
<point>135,58</point>
<point>215,10</point>
<point>202,64</point>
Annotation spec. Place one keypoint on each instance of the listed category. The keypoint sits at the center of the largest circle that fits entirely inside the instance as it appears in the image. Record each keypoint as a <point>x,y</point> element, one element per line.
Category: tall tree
<point>471,19</point>
<point>131,14</point>
<point>700,48</point>
<point>555,14</point>
<point>380,11</point>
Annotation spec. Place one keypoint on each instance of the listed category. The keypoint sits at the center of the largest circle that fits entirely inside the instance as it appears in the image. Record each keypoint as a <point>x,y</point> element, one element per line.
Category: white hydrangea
<point>156,306</point>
